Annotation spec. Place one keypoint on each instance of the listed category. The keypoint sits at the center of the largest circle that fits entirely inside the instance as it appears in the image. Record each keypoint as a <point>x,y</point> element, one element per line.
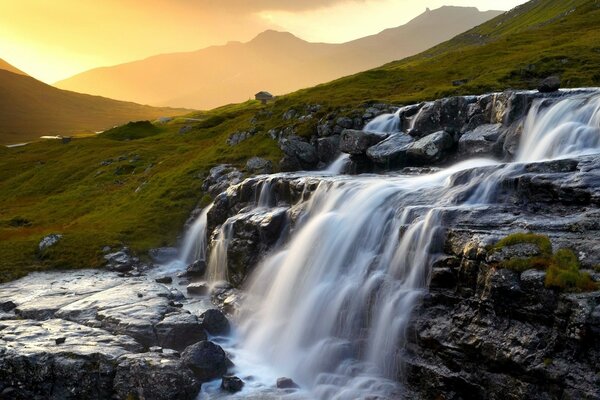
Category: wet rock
<point>154,376</point>
<point>163,255</point>
<point>198,288</point>
<point>483,140</point>
<point>430,149</point>
<point>164,279</point>
<point>391,151</point>
<point>49,241</point>
<point>196,269</point>
<point>232,384</point>
<point>207,360</point>
<point>549,85</point>
<point>357,142</point>
<point>328,148</point>
<point>6,306</point>
<point>179,330</point>
<point>121,261</point>
<point>215,322</point>
<point>257,165</point>
<point>298,153</point>
<point>286,383</point>
<point>81,367</point>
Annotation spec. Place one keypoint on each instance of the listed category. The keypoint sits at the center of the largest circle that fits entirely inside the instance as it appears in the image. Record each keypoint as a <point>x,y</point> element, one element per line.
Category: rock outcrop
<point>95,335</point>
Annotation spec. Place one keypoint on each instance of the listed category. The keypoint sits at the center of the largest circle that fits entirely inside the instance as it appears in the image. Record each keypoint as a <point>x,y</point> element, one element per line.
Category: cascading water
<point>331,308</point>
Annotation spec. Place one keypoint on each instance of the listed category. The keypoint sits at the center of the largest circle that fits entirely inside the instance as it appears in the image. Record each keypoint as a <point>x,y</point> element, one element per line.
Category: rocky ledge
<point>95,335</point>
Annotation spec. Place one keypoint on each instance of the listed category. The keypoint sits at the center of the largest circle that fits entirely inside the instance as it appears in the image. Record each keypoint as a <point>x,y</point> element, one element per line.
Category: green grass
<point>136,184</point>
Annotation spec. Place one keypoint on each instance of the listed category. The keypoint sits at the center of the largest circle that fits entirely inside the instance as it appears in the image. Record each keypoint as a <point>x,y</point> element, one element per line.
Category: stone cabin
<point>264,97</point>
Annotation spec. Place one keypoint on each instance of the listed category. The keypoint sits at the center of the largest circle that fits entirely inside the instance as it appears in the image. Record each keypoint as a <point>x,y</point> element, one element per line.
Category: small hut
<point>264,97</point>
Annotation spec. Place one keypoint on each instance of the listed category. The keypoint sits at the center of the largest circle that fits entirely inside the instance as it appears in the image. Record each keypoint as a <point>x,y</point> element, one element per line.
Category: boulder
<point>121,261</point>
<point>549,85</point>
<point>49,241</point>
<point>214,322</point>
<point>196,269</point>
<point>286,383</point>
<point>328,148</point>
<point>206,359</point>
<point>232,384</point>
<point>179,330</point>
<point>391,151</point>
<point>220,178</point>
<point>430,149</point>
<point>483,140</point>
<point>154,376</point>
<point>257,165</point>
<point>298,153</point>
<point>356,142</point>
<point>164,279</point>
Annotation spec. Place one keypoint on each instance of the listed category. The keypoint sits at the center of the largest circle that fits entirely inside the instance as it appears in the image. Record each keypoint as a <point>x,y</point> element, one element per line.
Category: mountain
<point>10,68</point>
<point>30,109</point>
<point>275,61</point>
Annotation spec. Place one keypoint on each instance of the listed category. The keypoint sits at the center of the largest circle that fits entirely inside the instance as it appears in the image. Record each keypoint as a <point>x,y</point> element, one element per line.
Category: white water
<point>330,308</point>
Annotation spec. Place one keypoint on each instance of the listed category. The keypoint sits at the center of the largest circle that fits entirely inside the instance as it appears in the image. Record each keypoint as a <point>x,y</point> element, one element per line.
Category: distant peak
<point>271,35</point>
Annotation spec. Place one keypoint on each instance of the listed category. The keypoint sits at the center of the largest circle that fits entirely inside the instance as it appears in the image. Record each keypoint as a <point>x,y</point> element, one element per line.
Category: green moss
<point>564,274</point>
<point>542,242</point>
<point>562,267</point>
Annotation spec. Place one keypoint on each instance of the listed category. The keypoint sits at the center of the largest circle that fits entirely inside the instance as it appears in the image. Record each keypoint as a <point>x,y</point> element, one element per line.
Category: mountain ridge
<point>30,108</point>
<point>233,72</point>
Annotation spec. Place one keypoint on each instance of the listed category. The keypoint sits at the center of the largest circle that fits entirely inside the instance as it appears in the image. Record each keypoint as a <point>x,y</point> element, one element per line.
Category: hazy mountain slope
<point>30,108</point>
<point>274,61</point>
<point>10,68</point>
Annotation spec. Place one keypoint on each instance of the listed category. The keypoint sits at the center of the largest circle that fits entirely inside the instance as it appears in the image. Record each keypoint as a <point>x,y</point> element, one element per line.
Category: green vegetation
<point>107,190</point>
<point>132,131</point>
<point>562,267</point>
<point>563,273</point>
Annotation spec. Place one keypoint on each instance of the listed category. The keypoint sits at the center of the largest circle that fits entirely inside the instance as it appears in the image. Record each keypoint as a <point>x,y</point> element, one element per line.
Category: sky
<point>55,39</point>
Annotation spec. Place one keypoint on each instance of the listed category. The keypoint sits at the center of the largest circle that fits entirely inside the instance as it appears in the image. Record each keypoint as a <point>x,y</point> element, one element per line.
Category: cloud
<point>251,6</point>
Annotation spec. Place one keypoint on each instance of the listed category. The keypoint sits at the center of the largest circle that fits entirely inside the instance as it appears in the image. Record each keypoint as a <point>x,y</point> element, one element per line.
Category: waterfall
<point>194,242</point>
<point>331,307</point>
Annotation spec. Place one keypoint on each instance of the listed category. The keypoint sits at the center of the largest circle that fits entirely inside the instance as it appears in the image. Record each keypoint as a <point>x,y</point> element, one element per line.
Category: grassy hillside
<point>30,109</point>
<point>109,190</point>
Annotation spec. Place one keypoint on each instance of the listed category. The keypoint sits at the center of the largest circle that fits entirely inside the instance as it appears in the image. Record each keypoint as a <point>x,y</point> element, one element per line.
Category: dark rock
<point>6,306</point>
<point>179,330</point>
<point>257,165</point>
<point>232,384</point>
<point>549,85</point>
<point>60,340</point>
<point>164,279</point>
<point>357,142</point>
<point>483,140</point>
<point>391,151</point>
<point>328,148</point>
<point>154,376</point>
<point>430,149</point>
<point>215,322</point>
<point>298,153</point>
<point>286,383</point>
<point>196,269</point>
<point>207,360</point>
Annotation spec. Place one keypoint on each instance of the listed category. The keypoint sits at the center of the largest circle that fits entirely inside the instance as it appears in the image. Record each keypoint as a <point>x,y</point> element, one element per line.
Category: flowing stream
<point>330,308</point>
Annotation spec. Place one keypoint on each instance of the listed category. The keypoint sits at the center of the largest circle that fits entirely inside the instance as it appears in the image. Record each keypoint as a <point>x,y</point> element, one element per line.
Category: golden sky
<point>55,39</point>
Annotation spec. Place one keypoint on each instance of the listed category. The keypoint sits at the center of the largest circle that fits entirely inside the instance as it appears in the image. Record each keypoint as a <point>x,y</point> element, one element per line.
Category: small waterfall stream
<point>330,308</point>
